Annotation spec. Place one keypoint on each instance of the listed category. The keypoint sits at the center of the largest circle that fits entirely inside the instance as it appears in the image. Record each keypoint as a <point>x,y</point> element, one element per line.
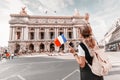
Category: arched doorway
<point>52,47</point>
<point>42,47</point>
<point>31,47</point>
<point>17,48</point>
<point>61,49</point>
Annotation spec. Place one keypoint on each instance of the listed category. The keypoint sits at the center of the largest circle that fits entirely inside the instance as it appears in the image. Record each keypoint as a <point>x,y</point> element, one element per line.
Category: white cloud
<point>57,4</point>
<point>104,17</point>
<point>53,5</point>
<point>99,27</point>
<point>71,2</point>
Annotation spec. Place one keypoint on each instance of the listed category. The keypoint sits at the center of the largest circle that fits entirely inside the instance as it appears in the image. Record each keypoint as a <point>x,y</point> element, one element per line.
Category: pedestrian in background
<point>82,56</point>
<point>12,55</point>
<point>8,55</point>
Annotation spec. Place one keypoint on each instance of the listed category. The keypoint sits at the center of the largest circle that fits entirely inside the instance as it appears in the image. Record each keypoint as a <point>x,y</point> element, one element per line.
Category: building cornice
<point>18,15</point>
<point>47,17</point>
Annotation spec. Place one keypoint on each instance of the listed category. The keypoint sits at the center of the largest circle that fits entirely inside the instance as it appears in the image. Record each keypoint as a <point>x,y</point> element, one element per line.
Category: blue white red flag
<point>60,40</point>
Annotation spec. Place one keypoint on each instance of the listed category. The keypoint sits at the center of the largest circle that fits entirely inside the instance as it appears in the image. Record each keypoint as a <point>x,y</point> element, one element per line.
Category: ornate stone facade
<point>114,41</point>
<point>36,33</point>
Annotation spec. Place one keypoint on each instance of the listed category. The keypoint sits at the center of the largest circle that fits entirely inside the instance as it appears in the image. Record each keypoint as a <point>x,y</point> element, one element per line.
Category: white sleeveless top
<point>81,52</point>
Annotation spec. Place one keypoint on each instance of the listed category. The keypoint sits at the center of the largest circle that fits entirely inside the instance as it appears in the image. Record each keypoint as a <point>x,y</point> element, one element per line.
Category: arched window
<point>31,47</point>
<point>31,35</point>
<point>52,47</point>
<point>42,47</point>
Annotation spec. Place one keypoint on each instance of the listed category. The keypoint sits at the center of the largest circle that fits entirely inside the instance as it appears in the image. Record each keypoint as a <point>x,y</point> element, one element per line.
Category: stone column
<point>46,46</point>
<point>13,33</point>
<point>78,35</point>
<point>37,34</point>
<point>47,34</point>
<point>74,33</point>
<point>26,33</point>
<point>55,32</point>
<point>37,47</point>
<point>22,34</point>
<point>66,32</point>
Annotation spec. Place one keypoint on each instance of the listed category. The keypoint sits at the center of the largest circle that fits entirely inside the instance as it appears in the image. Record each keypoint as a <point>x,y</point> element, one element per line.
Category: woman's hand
<point>79,59</point>
<point>72,50</point>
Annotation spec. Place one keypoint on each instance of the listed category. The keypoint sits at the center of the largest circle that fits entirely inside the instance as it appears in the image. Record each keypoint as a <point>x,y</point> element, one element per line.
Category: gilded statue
<point>23,12</point>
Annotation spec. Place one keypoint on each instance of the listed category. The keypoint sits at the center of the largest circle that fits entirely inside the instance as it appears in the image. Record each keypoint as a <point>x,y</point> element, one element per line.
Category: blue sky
<point>103,13</point>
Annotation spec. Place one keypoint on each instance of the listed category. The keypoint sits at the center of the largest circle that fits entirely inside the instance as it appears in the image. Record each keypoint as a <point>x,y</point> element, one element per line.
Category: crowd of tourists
<point>6,55</point>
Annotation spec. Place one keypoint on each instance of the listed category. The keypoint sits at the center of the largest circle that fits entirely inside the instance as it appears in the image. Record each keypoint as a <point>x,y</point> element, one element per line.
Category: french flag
<point>60,40</point>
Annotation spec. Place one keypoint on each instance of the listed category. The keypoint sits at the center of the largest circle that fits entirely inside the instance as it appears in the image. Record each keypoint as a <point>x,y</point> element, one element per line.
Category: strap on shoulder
<point>87,53</point>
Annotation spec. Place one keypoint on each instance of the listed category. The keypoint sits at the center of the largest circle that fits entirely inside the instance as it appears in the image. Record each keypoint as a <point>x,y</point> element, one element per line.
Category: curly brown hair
<point>86,32</point>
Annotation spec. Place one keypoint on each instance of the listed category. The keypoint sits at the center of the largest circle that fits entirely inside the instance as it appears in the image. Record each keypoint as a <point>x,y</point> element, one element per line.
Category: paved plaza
<point>56,67</point>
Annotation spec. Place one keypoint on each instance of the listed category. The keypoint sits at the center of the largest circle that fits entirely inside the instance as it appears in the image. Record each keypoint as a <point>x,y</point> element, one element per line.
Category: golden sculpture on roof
<point>23,12</point>
<point>87,17</point>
